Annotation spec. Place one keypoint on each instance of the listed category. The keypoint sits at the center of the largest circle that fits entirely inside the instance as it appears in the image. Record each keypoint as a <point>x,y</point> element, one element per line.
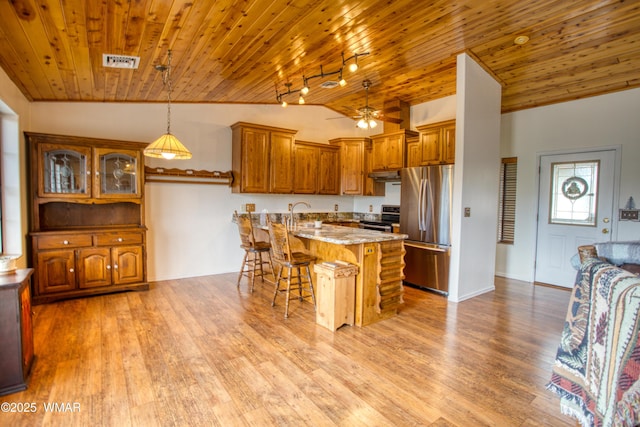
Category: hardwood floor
<point>201,352</point>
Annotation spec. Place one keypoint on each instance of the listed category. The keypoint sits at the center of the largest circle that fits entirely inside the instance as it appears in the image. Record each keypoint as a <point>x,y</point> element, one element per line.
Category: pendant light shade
<point>167,146</point>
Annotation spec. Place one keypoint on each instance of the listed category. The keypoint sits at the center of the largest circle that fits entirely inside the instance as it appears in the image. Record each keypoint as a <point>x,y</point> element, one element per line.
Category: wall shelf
<point>187,176</point>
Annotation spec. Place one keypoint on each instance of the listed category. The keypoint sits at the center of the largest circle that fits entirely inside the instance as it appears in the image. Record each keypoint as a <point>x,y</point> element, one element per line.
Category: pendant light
<point>167,146</point>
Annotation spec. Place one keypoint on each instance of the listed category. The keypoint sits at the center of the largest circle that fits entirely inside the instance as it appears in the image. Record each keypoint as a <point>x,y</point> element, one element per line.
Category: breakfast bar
<point>379,257</point>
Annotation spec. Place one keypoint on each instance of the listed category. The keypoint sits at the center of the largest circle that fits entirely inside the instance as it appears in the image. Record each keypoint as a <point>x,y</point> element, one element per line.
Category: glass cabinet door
<point>117,173</point>
<point>64,172</point>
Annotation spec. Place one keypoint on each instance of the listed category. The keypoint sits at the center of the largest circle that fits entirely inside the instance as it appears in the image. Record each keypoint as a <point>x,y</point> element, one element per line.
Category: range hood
<point>386,176</point>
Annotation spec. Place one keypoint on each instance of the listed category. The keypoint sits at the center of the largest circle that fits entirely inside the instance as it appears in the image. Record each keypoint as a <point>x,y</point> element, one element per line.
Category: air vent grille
<point>120,61</point>
<point>329,84</point>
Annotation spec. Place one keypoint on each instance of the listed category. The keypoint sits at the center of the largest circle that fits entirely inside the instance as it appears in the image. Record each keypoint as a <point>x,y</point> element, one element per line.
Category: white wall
<point>190,229</point>
<point>601,121</point>
<point>475,186</point>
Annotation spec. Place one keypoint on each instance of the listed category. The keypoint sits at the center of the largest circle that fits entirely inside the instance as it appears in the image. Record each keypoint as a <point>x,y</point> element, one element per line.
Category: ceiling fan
<point>368,115</point>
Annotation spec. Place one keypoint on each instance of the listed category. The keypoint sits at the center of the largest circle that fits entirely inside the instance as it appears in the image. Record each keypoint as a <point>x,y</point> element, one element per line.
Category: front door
<point>575,207</point>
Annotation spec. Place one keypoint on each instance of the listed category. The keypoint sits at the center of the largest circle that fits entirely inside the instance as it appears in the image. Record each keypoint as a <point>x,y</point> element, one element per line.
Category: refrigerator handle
<point>422,226</point>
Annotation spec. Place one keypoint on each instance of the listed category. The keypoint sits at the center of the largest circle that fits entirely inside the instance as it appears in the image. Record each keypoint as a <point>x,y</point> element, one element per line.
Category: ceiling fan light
<point>362,124</point>
<point>372,123</point>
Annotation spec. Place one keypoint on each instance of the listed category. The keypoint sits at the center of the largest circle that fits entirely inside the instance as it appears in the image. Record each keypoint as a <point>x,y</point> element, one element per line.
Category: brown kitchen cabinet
<point>388,150</point>
<point>413,152</point>
<point>16,331</point>
<point>87,219</point>
<point>262,158</point>
<point>437,144</point>
<point>316,168</point>
<point>355,159</point>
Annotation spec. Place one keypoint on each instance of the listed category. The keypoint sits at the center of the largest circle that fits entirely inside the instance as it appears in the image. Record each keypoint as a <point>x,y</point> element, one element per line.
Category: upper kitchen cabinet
<point>388,150</point>
<point>437,145</point>
<point>262,158</point>
<point>316,168</point>
<point>356,162</point>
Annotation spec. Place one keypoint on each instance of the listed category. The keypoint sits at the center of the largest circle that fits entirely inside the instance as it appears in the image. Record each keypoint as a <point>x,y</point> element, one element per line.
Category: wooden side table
<point>16,330</point>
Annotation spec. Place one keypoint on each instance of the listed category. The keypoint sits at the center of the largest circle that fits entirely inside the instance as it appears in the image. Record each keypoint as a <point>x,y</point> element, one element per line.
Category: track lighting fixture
<point>304,90</point>
<point>353,67</point>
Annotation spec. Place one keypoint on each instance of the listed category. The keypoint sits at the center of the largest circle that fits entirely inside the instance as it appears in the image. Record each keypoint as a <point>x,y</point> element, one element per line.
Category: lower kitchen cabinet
<point>72,264</point>
<point>16,331</point>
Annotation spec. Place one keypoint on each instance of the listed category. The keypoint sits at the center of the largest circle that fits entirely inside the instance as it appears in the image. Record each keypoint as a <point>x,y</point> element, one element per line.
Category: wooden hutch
<point>88,234</point>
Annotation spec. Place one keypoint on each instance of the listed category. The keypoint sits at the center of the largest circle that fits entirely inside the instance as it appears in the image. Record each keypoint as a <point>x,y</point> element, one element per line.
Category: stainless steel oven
<point>390,215</point>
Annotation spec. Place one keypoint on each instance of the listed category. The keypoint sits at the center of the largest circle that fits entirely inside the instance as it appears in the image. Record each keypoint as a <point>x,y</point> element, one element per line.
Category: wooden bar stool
<point>293,263</point>
<point>253,262</point>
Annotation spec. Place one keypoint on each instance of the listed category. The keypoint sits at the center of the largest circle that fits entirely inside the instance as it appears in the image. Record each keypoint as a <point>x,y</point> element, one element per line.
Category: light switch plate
<point>467,212</point>
<point>629,214</point>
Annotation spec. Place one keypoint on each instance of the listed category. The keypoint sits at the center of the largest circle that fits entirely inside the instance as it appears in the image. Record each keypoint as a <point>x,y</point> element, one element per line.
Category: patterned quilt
<point>597,365</point>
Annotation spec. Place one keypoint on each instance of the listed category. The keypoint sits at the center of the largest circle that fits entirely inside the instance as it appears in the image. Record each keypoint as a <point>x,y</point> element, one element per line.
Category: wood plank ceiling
<point>242,51</point>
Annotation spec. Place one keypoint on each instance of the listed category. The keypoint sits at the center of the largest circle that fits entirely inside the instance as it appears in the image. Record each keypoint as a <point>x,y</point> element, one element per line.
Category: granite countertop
<point>344,235</point>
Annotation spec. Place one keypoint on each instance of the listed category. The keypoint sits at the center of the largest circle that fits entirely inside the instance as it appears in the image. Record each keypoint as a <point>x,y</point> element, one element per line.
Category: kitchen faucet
<point>293,221</point>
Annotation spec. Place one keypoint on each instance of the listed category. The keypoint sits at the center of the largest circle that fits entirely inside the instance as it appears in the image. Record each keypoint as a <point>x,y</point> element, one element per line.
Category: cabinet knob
<point>97,173</point>
<point>120,239</point>
<point>115,266</point>
<point>71,270</point>
<point>65,242</point>
<point>108,267</point>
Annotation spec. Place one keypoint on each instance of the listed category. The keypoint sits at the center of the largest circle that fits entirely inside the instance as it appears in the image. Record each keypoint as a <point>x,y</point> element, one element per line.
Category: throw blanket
<point>598,361</point>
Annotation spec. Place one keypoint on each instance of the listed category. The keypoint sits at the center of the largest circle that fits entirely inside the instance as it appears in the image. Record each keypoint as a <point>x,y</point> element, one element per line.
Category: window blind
<point>507,203</point>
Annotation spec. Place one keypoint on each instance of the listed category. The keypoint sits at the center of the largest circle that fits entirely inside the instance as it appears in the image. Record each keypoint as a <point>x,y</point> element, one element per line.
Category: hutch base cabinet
<point>16,331</point>
<point>87,216</point>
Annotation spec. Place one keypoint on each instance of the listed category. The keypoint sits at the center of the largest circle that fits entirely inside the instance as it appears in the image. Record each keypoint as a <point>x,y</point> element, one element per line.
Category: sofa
<point>597,364</point>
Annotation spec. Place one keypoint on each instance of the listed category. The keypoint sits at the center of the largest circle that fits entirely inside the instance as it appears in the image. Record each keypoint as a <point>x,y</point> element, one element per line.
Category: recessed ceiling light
<point>520,40</point>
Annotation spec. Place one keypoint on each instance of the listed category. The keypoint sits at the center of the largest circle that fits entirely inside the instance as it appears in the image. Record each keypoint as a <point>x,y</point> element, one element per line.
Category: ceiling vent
<point>329,84</point>
<point>120,61</point>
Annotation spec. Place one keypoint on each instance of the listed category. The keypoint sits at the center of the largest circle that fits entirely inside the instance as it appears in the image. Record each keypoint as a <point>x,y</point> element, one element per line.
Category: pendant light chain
<point>169,88</point>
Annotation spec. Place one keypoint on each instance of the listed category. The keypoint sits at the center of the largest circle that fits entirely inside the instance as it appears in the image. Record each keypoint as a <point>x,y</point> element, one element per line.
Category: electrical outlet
<point>290,206</point>
<point>370,208</point>
<point>335,207</point>
<point>250,207</point>
<point>467,212</point>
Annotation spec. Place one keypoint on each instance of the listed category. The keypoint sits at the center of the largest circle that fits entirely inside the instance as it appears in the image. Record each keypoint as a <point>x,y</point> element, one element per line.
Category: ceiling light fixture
<point>305,80</point>
<point>520,40</point>
<point>367,113</point>
<point>354,65</point>
<point>167,146</point>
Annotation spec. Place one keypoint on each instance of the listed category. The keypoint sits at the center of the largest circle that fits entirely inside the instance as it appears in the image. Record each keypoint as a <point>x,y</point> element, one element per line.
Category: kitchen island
<point>379,257</point>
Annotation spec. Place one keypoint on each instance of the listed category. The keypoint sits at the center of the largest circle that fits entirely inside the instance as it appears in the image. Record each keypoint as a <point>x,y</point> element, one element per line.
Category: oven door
<point>375,226</point>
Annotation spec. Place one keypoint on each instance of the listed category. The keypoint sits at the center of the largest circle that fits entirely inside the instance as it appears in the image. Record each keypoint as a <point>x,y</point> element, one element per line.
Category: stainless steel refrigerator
<point>425,216</point>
